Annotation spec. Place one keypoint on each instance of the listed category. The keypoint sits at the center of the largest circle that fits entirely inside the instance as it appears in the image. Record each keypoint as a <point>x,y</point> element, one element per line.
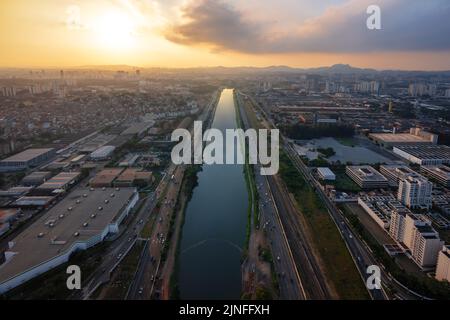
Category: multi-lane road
<point>360,254</point>
<point>144,282</point>
<point>123,243</point>
<point>291,281</point>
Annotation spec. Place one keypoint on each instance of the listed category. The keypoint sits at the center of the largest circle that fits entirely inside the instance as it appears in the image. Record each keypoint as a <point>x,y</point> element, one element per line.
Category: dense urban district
<point>86,179</point>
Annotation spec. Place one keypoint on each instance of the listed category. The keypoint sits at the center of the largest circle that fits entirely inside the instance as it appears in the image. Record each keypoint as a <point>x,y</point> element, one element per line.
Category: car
<point>278,258</point>
<point>140,290</point>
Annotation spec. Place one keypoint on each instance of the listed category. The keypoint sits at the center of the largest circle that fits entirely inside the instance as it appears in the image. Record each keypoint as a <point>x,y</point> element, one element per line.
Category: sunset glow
<point>212,32</point>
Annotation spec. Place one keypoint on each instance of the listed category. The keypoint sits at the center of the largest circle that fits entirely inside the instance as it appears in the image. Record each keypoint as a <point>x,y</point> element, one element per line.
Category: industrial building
<point>36,178</point>
<point>83,219</point>
<point>138,129</point>
<point>7,215</point>
<point>415,136</point>
<point>396,172</point>
<point>440,174</point>
<point>133,177</point>
<point>15,192</point>
<point>26,159</point>
<point>379,208</point>
<point>424,155</point>
<point>34,201</point>
<point>415,192</point>
<point>326,174</point>
<point>93,143</point>
<point>366,177</point>
<point>102,153</point>
<point>105,177</point>
<point>60,183</point>
<point>443,265</point>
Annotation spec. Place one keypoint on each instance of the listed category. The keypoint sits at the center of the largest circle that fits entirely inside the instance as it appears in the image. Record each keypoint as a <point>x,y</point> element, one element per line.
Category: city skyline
<point>205,33</point>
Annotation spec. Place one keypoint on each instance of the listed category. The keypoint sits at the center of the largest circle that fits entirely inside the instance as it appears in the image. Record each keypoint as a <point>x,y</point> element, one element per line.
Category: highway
<point>360,256</point>
<point>142,287</point>
<point>359,252</point>
<point>289,280</point>
<point>122,243</point>
<point>290,284</point>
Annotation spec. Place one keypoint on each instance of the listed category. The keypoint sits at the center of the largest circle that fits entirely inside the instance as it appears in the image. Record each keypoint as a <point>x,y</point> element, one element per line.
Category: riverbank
<point>259,280</point>
<point>169,271</point>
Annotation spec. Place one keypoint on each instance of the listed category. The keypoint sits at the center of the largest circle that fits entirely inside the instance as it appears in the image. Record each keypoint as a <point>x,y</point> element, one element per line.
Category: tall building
<point>415,192</point>
<point>398,225</point>
<point>9,91</point>
<point>415,234</point>
<point>421,89</point>
<point>443,264</point>
<point>425,246</point>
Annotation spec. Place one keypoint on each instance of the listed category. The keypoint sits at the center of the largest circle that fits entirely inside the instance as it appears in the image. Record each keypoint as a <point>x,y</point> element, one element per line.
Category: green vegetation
<point>190,181</point>
<point>124,274</point>
<point>302,132</point>
<point>327,152</point>
<point>338,263</point>
<point>319,162</point>
<point>426,286</point>
<point>346,141</point>
<point>262,293</point>
<point>146,231</point>
<point>344,183</point>
<point>249,175</point>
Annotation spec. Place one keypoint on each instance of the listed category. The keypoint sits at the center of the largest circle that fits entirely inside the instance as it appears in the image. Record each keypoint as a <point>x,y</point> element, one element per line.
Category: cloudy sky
<point>186,33</point>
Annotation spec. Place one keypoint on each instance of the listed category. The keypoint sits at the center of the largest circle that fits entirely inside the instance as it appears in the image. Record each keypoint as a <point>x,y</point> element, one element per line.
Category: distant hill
<point>334,69</point>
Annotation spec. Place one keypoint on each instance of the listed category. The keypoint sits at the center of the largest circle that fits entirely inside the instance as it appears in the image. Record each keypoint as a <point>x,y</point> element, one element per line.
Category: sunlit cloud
<point>407,25</point>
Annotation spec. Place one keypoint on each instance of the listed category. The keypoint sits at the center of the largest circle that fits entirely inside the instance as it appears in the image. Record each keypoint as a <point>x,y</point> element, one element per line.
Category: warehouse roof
<point>77,217</point>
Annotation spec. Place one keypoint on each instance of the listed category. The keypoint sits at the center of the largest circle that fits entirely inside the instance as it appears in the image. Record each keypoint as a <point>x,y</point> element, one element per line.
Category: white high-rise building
<point>443,264</point>
<point>415,234</point>
<point>426,245</point>
<point>415,192</point>
<point>398,224</point>
<point>421,89</point>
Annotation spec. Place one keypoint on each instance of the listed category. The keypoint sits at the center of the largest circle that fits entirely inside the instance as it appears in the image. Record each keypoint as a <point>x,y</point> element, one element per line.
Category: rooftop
<point>60,180</point>
<point>398,137</point>
<point>367,173</point>
<point>55,232</point>
<point>427,152</point>
<point>28,154</point>
<point>106,176</point>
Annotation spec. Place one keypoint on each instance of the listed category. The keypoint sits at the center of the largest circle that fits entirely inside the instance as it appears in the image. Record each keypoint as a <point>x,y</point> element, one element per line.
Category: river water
<point>214,229</point>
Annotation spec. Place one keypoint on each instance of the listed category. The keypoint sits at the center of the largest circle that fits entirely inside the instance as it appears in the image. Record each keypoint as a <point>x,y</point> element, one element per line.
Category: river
<point>214,229</point>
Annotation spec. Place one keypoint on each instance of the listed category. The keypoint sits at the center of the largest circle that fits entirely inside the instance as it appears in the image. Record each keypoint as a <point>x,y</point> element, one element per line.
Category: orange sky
<point>60,33</point>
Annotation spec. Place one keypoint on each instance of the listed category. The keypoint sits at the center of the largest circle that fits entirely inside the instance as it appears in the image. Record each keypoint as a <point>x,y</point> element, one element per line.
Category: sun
<point>115,30</point>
